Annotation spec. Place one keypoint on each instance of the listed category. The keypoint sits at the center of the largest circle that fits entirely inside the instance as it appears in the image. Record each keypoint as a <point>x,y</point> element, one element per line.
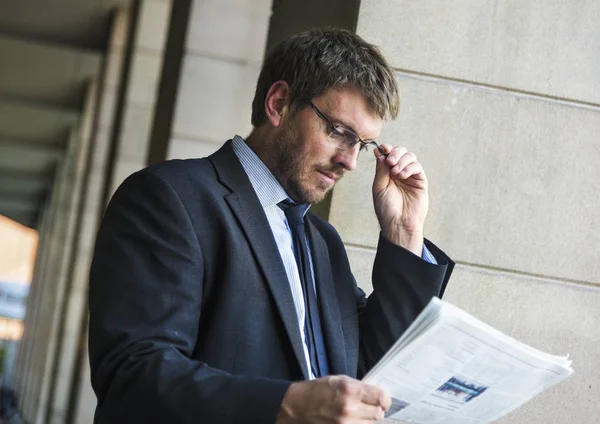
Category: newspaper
<point>449,367</point>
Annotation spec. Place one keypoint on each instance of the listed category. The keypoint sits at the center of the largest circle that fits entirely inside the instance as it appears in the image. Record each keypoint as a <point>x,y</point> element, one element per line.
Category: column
<point>224,50</point>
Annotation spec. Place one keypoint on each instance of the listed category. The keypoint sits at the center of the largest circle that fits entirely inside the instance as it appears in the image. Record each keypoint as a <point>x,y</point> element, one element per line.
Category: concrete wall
<point>70,338</point>
<point>501,103</point>
<point>52,378</point>
<point>224,50</point>
<point>130,140</point>
<point>43,322</point>
<point>140,97</point>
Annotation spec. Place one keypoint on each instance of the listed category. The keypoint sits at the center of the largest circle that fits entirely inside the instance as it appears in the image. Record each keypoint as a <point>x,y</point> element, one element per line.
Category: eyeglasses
<point>342,136</point>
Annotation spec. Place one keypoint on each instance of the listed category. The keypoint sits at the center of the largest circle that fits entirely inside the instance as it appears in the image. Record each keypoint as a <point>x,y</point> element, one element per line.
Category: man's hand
<point>333,399</point>
<point>400,197</point>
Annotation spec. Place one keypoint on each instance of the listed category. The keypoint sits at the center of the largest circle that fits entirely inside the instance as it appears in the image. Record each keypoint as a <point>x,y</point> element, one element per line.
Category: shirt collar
<point>268,189</point>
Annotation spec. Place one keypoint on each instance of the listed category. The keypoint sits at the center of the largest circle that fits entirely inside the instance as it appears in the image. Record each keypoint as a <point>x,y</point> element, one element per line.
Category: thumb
<point>382,172</point>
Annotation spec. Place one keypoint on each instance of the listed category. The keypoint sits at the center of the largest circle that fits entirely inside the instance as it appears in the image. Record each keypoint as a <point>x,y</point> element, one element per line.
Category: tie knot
<point>294,212</point>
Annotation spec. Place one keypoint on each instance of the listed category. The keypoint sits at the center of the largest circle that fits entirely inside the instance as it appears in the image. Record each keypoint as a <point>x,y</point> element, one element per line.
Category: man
<point>215,298</point>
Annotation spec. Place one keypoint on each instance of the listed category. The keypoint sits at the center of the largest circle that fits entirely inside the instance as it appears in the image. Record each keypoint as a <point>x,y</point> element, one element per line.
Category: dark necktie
<point>313,334</point>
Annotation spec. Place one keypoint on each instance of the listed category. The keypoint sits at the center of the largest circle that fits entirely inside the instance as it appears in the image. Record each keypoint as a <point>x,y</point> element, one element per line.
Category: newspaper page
<point>449,368</point>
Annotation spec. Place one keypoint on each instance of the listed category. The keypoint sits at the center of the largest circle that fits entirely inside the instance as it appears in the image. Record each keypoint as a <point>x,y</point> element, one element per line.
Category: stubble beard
<point>292,165</point>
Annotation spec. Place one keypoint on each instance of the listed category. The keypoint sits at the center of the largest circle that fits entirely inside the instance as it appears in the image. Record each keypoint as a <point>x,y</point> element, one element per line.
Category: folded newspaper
<point>449,367</point>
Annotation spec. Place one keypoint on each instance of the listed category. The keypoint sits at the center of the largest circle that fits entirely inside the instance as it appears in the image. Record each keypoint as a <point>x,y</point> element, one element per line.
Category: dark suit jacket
<point>191,313</point>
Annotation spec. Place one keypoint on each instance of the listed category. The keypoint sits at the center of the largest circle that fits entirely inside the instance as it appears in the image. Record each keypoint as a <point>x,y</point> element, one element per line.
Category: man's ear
<point>276,102</point>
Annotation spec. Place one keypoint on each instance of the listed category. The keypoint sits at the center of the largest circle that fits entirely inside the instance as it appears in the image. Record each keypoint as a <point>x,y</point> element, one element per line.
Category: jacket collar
<point>247,208</point>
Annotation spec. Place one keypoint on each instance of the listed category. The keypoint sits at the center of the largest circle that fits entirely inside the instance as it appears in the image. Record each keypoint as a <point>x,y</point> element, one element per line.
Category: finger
<point>395,154</point>
<point>403,162</point>
<point>372,395</point>
<point>382,173</point>
<point>370,413</point>
<point>386,402</point>
<point>347,386</point>
<point>387,148</point>
<point>384,164</point>
<point>361,412</point>
<point>414,170</point>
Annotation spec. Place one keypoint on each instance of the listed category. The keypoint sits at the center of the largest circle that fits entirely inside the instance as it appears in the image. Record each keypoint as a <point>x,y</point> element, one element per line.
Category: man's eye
<point>338,132</point>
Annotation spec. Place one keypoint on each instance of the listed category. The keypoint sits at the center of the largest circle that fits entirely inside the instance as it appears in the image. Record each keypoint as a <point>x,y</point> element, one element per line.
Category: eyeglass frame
<point>334,129</point>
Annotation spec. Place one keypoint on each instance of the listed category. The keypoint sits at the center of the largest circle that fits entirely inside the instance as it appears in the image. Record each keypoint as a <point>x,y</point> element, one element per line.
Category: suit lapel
<point>247,209</point>
<point>328,305</point>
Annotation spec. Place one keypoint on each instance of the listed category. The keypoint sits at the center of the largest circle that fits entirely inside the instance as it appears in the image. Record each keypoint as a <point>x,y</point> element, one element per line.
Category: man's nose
<point>348,157</point>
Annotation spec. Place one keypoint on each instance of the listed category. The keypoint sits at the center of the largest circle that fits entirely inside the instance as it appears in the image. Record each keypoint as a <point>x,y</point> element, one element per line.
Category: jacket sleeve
<point>403,284</point>
<point>145,299</point>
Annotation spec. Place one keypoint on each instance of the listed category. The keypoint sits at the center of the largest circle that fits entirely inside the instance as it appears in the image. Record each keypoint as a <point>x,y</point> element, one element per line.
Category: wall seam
<point>498,89</point>
<point>500,270</point>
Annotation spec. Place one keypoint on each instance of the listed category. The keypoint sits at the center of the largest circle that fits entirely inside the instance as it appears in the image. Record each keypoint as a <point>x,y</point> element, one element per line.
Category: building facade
<point>499,100</point>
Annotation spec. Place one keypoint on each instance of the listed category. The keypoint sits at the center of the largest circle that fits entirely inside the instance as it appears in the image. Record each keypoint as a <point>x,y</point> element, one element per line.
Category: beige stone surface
<point>120,27</point>
<point>551,316</point>
<point>144,78</point>
<point>108,103</point>
<point>153,24</point>
<point>94,188</point>
<point>135,136</point>
<point>75,308</point>
<point>229,29</point>
<point>113,65</point>
<point>542,46</point>
<point>513,179</point>
<point>215,98</point>
<point>88,233</point>
<point>224,50</point>
<point>87,399</point>
<point>101,146</point>
<point>182,148</point>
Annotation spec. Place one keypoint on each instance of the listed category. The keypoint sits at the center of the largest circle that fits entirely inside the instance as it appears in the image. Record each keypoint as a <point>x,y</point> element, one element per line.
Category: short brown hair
<point>316,61</point>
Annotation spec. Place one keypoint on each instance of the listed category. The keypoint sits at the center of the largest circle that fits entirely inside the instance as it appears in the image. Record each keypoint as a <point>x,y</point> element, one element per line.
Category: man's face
<point>305,159</point>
